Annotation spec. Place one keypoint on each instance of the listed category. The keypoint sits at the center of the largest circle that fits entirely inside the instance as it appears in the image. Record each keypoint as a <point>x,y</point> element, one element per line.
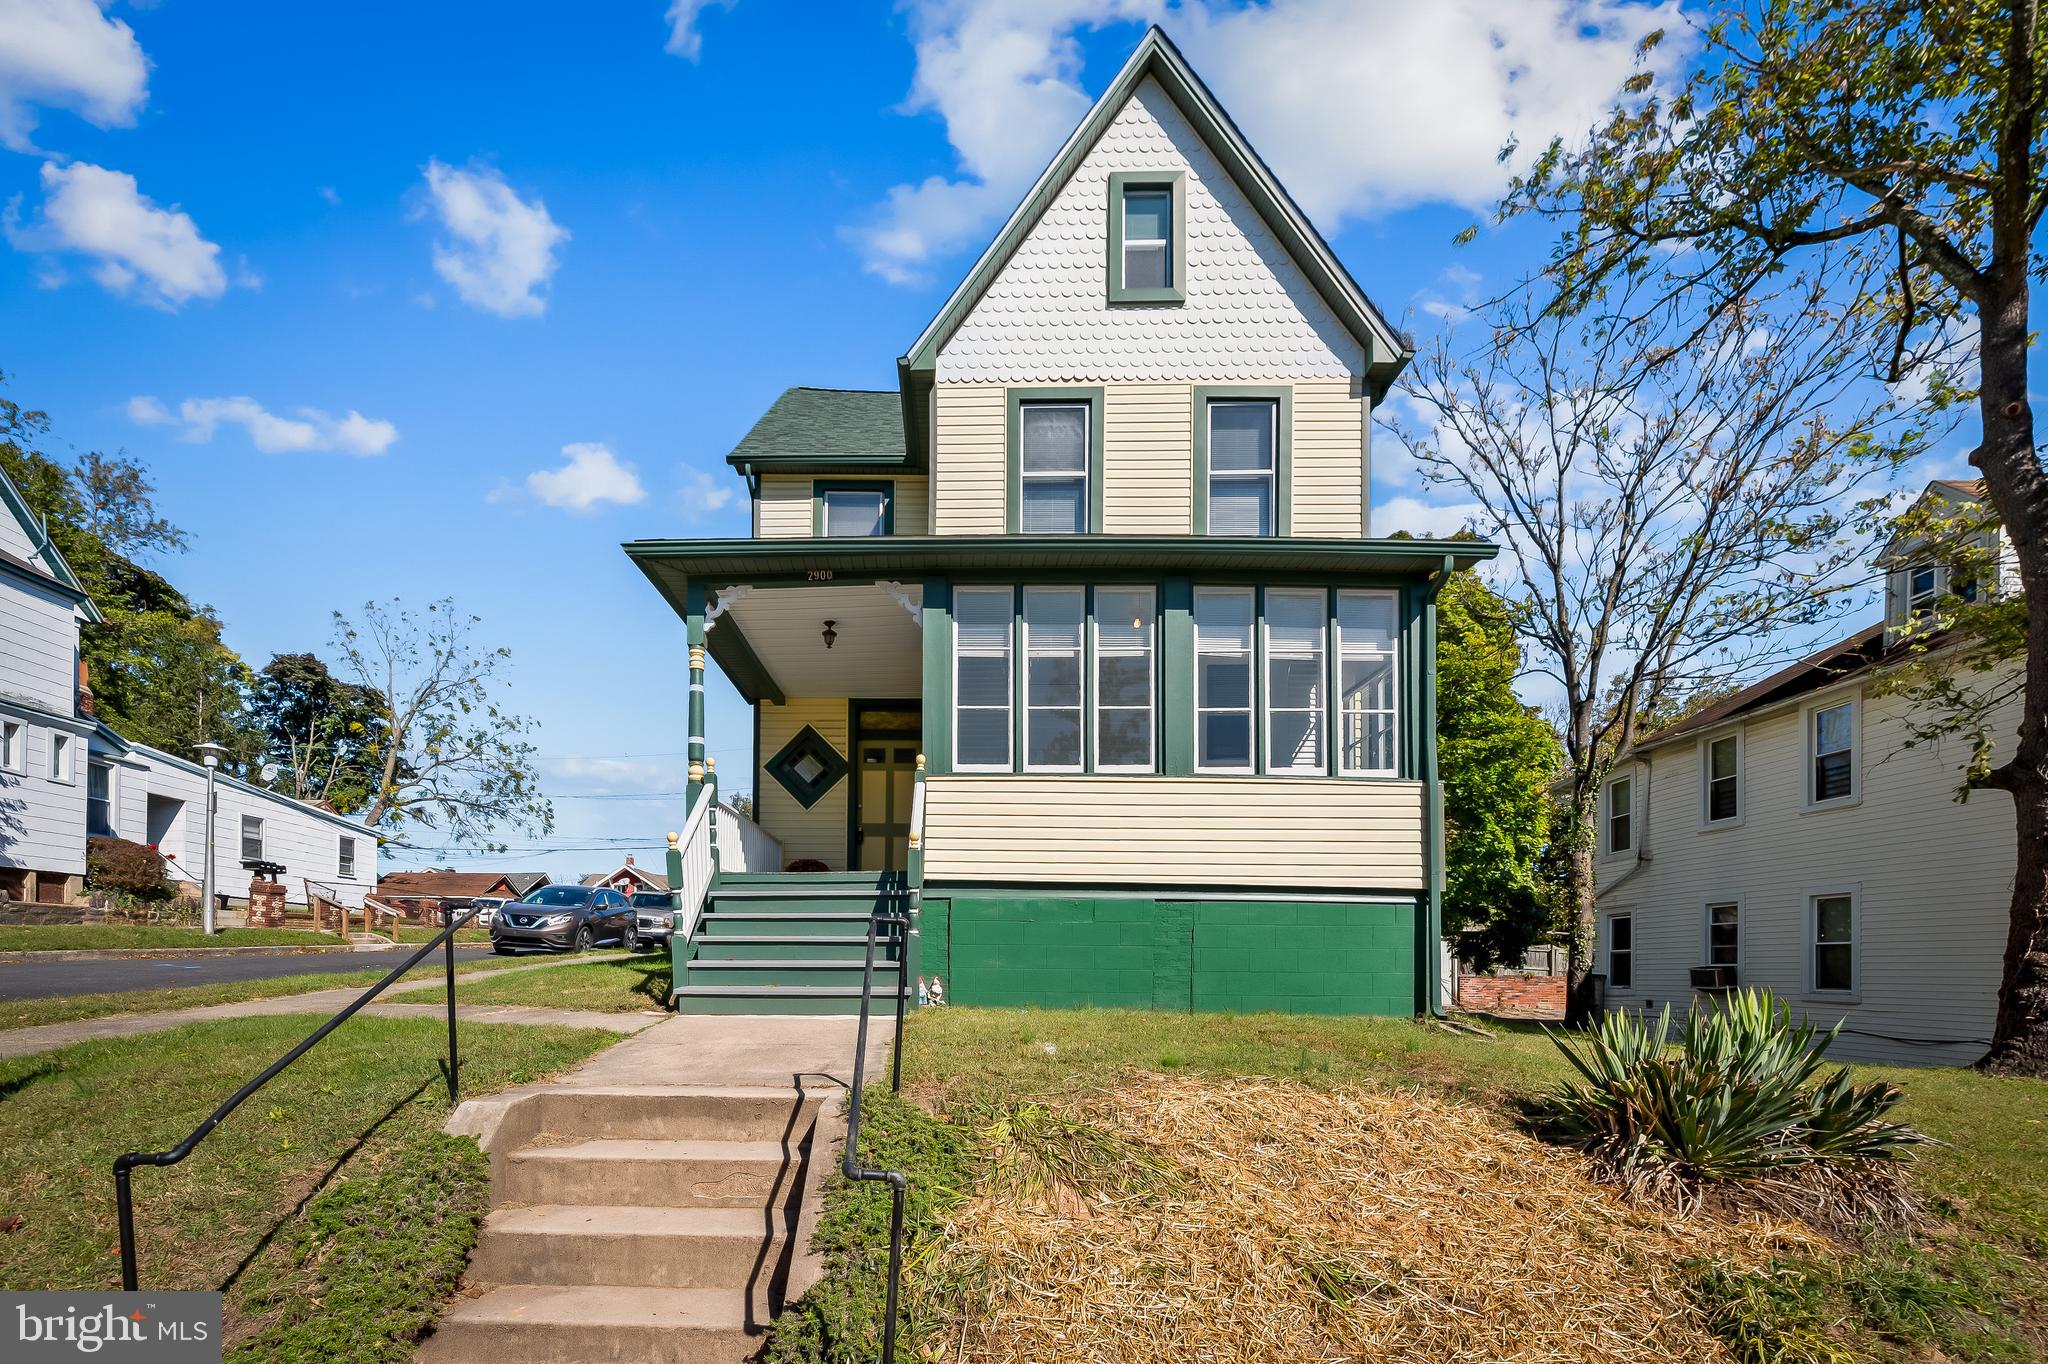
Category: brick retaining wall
<point>1512,996</point>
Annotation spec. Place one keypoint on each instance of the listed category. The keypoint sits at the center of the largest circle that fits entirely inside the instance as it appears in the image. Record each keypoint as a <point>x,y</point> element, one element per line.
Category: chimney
<point>84,688</point>
<point>629,859</point>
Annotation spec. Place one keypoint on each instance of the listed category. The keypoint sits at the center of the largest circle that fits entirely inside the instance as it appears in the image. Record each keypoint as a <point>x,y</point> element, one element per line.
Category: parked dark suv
<point>565,919</point>
<point>656,911</point>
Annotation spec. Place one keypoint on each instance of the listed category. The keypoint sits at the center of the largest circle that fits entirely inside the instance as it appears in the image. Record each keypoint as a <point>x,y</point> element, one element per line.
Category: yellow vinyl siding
<point>1148,467</point>
<point>971,461</point>
<point>784,510</point>
<point>820,831</point>
<point>1329,462</point>
<point>1106,830</point>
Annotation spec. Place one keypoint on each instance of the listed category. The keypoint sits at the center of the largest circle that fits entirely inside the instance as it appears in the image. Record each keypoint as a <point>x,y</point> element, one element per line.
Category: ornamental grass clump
<point>1742,1105</point>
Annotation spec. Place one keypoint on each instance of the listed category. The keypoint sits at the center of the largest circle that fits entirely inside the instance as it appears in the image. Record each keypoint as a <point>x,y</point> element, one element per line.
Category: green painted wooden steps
<point>789,943</point>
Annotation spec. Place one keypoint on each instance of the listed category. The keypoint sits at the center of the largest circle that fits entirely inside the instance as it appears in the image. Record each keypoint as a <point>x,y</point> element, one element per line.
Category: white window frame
<point>113,795</point>
<point>1707,930</point>
<point>1165,244</point>
<point>345,858</point>
<point>1706,755</point>
<point>1086,474</point>
<point>1633,951</point>
<point>1607,812</point>
<point>1094,681</point>
<point>13,745</point>
<point>1252,707</point>
<point>1272,470</point>
<point>1809,746</point>
<point>1392,653</point>
<point>881,493</point>
<point>1021,681</point>
<point>242,841</point>
<point>1917,602</point>
<point>1319,714</point>
<point>60,758</point>
<point>1853,893</point>
<point>1010,691</point>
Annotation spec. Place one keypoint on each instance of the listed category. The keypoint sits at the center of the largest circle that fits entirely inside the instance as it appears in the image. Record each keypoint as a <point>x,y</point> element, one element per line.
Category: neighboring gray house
<point>65,776</point>
<point>1787,838</point>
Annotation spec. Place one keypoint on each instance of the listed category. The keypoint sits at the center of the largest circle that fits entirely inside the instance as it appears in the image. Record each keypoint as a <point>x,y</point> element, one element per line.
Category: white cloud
<point>1362,107</point>
<point>683,38</point>
<point>154,255</point>
<point>593,475</point>
<point>1418,517</point>
<point>331,194</point>
<point>66,54</point>
<point>704,493</point>
<point>500,249</point>
<point>605,776</point>
<point>307,430</point>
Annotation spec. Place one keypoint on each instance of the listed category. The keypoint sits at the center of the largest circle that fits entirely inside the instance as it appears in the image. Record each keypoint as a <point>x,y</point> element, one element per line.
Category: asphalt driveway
<point>45,980</point>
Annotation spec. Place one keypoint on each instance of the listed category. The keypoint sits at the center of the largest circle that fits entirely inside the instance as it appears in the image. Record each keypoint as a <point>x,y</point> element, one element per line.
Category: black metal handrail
<point>124,1200</point>
<point>850,1166</point>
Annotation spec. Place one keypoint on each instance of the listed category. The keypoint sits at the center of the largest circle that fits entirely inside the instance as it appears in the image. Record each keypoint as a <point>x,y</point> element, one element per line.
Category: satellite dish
<point>269,773</point>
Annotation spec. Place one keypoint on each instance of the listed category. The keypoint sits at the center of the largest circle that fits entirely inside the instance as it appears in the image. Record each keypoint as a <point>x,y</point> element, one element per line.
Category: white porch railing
<point>694,843</point>
<point>744,845</point>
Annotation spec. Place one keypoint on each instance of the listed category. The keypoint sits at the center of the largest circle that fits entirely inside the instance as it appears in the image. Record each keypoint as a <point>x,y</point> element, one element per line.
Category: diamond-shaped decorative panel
<point>807,767</point>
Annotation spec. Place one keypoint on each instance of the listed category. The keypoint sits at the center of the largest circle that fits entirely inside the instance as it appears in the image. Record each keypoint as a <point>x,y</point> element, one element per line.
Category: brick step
<point>614,1323</point>
<point>788,999</point>
<point>672,1174</point>
<point>552,1243</point>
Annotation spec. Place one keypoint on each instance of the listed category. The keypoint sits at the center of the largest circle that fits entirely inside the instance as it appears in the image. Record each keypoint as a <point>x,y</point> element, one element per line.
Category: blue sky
<point>448,300</point>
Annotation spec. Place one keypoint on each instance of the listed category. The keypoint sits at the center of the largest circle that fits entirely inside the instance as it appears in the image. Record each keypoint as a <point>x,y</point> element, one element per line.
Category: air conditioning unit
<point>1713,979</point>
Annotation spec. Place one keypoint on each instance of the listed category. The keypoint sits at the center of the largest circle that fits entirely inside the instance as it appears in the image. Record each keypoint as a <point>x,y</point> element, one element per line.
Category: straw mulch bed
<point>1324,1226</point>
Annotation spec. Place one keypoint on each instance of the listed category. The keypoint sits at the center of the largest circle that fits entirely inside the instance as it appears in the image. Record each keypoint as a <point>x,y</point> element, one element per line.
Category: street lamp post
<point>210,754</point>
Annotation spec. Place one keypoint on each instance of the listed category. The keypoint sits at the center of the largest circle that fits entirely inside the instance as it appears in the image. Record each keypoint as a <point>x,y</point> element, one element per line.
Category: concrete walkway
<point>50,1036</point>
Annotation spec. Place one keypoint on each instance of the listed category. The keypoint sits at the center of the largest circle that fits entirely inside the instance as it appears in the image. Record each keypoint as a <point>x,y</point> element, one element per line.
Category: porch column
<point>694,616</point>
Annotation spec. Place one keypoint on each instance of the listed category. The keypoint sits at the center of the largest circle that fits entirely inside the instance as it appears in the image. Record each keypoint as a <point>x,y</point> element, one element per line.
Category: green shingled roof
<point>825,428</point>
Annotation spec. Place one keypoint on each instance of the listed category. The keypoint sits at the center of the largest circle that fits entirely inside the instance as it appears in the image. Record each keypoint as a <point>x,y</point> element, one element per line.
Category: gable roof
<point>1387,350</point>
<point>651,879</point>
<point>824,428</point>
<point>1845,658</point>
<point>524,881</point>
<point>53,572</point>
<point>437,884</point>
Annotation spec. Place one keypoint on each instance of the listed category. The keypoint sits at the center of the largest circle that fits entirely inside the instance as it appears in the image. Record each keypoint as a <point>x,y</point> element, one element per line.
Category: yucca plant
<point>1739,1101</point>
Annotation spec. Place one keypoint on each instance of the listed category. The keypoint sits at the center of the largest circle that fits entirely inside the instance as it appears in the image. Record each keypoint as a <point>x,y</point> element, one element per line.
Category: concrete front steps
<point>789,943</point>
<point>638,1225</point>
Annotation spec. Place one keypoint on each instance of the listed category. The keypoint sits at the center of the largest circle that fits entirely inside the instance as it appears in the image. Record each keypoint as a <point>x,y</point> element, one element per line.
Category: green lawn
<point>69,937</point>
<point>27,1013</point>
<point>329,1207</point>
<point>612,983</point>
<point>1972,1286</point>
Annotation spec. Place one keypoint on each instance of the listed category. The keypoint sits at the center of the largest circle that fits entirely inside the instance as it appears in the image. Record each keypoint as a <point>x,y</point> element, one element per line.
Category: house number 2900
<point>820,575</point>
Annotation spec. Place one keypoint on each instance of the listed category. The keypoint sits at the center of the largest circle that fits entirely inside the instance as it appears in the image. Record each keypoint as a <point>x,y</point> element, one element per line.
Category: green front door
<point>885,776</point>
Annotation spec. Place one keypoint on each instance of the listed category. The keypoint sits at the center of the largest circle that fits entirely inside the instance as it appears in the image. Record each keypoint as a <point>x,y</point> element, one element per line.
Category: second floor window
<point>1621,832</point>
<point>252,839</point>
<point>854,510</point>
<point>1241,466</point>
<point>1724,779</point>
<point>1834,752</point>
<point>1053,468</point>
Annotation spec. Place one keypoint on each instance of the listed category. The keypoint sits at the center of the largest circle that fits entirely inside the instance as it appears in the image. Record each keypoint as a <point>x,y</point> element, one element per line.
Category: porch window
<point>1242,440</point>
<point>1053,458</point>
<point>1294,680</point>
<point>1223,679</point>
<point>982,621</point>
<point>1124,622</point>
<point>1366,644</point>
<point>1053,619</point>
<point>99,800</point>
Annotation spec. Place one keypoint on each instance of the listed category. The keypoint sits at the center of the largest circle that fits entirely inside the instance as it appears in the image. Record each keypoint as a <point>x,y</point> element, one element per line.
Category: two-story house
<point>1080,630</point>
<point>66,776</point>
<point>1788,837</point>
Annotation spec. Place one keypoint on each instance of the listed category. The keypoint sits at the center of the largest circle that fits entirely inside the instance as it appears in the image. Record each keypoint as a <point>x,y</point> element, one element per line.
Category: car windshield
<point>652,899</point>
<point>559,895</point>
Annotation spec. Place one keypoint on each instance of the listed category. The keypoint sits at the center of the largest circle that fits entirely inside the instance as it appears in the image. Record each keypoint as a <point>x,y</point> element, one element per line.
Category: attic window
<point>1923,589</point>
<point>1147,237</point>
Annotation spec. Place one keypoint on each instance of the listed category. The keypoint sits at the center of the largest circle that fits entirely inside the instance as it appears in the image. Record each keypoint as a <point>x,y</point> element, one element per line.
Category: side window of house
<point>1723,930</point>
<point>60,757</point>
<point>1053,618</point>
<point>1223,679</point>
<point>13,742</point>
<point>1294,680</point>
<point>1053,468</point>
<point>1145,236</point>
<point>1833,736</point>
<point>347,860</point>
<point>1243,479</point>
<point>1621,952</point>
<point>1125,622</point>
<point>252,839</point>
<point>1366,642</point>
<point>1724,779</point>
<point>99,800</point>
<point>1621,832</point>
<point>855,510</point>
<point>1834,942</point>
<point>982,618</point>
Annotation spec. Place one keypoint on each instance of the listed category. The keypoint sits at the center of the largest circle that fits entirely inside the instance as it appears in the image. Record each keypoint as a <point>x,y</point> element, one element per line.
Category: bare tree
<point>1674,490</point>
<point>447,756</point>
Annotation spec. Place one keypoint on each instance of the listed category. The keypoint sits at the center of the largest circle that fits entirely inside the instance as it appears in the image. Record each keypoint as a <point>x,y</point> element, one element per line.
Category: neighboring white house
<point>1788,837</point>
<point>65,776</point>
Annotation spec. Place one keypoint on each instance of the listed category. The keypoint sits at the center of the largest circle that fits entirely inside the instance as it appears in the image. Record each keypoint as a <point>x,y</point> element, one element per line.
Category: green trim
<point>1013,500</point>
<point>821,486</point>
<point>1177,681</point>
<point>1387,352</point>
<point>1282,396</point>
<point>1176,290</point>
<point>782,767</point>
<point>1433,797</point>
<point>728,644</point>
<point>938,674</point>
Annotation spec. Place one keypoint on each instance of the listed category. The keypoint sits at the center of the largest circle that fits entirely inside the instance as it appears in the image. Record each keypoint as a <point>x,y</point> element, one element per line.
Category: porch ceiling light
<point>830,633</point>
